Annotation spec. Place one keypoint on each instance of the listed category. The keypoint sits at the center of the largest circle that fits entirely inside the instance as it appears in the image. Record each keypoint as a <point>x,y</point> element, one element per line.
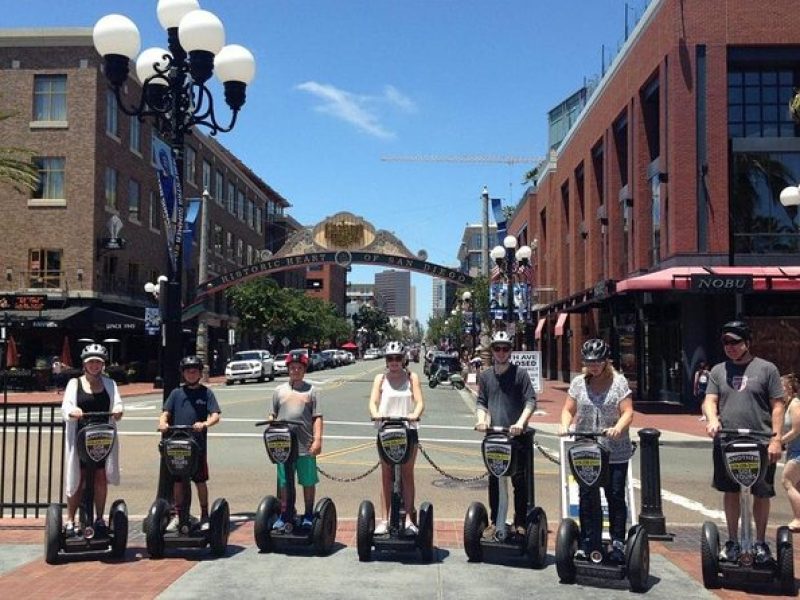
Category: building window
<point>239,251</point>
<point>44,268</point>
<point>229,245</point>
<point>111,188</point>
<point>218,240</point>
<point>189,167</point>
<point>259,220</point>
<point>207,176</point>
<point>51,178</point>
<point>251,211</point>
<point>655,237</point>
<point>112,115</point>
<point>240,200</point>
<point>231,198</point>
<point>134,200</point>
<point>134,282</point>
<point>50,98</point>
<point>219,188</point>
<point>135,143</point>
<point>249,254</point>
<point>155,208</point>
<point>758,97</point>
<point>621,143</point>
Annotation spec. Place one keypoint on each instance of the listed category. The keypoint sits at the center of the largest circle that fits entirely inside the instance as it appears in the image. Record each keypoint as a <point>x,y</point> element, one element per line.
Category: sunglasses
<point>502,348</point>
<point>394,359</point>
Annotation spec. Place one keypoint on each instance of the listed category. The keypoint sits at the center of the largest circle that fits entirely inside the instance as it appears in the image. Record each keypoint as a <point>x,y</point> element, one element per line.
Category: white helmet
<point>394,349</point>
<point>501,339</point>
<point>94,351</point>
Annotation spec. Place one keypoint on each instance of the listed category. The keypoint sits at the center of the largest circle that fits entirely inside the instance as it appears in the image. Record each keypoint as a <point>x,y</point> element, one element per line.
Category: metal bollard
<point>651,516</point>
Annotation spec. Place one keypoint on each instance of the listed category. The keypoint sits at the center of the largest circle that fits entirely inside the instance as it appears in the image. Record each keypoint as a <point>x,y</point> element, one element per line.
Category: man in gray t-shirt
<point>506,398</point>
<point>744,392</point>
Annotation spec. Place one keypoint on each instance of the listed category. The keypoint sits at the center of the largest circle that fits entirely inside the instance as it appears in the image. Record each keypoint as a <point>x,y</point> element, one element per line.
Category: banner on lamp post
<point>498,300</point>
<point>171,194</point>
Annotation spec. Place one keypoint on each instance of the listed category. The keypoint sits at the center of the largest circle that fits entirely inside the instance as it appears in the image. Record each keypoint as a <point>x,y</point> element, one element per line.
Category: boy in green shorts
<point>297,400</point>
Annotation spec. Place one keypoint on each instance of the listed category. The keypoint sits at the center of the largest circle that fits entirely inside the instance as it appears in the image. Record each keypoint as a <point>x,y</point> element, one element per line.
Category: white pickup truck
<point>250,364</point>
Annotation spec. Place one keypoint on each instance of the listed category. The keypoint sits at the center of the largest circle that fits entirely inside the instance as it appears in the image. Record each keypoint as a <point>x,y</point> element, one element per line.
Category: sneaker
<point>99,525</point>
<point>617,554</point>
<point>69,529</point>
<point>204,524</point>
<point>730,553</point>
<point>308,522</point>
<point>382,528</point>
<point>520,530</point>
<point>411,529</point>
<point>173,524</point>
<point>580,554</point>
<point>763,555</point>
<point>193,521</point>
<point>279,524</point>
<point>490,532</point>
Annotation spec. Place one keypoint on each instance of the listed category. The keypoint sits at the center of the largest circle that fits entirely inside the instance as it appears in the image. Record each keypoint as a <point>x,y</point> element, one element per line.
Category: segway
<point>395,448</point>
<point>745,456</point>
<point>280,440</point>
<point>94,443</point>
<point>501,456</point>
<point>181,453</point>
<point>588,460</point>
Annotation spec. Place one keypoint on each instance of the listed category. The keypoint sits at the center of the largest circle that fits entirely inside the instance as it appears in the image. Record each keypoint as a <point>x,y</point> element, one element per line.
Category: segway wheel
<point>566,546</point>
<point>365,529</point>
<point>475,522</point>
<point>536,538</point>
<point>266,515</point>
<point>118,520</point>
<point>709,555</point>
<point>158,518</point>
<point>324,530</point>
<point>432,383</point>
<point>638,560</point>
<point>459,385</point>
<point>425,535</point>
<point>219,521</point>
<point>785,566</point>
<point>52,534</point>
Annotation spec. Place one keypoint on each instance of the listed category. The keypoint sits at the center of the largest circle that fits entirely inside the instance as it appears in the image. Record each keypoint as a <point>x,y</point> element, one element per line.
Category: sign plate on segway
<point>588,463</point>
<point>96,442</point>
<point>393,444</point>
<point>743,462</point>
<point>497,455</point>
<point>281,445</point>
<point>180,456</point>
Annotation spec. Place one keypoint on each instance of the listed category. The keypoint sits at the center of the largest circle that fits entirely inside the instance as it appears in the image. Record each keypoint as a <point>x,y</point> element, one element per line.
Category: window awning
<point>109,320</point>
<point>764,279</point>
<point>560,322</point>
<point>539,326</point>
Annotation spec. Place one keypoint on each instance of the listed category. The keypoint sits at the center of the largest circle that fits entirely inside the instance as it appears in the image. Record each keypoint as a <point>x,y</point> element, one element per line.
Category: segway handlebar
<point>585,434</point>
<point>751,432</point>
<point>97,413</point>
<point>279,422</point>
<point>399,419</point>
<point>507,430</point>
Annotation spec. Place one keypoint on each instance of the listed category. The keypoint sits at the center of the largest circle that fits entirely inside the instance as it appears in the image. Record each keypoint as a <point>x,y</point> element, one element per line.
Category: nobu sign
<point>722,284</point>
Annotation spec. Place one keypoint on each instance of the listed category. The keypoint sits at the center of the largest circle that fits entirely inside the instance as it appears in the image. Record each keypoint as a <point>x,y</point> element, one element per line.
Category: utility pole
<point>202,276</point>
<point>485,233</point>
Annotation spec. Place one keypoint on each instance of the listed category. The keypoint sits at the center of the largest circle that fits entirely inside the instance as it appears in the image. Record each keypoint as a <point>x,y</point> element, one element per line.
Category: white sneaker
<point>411,529</point>
<point>382,528</point>
<point>173,524</point>
<point>205,525</point>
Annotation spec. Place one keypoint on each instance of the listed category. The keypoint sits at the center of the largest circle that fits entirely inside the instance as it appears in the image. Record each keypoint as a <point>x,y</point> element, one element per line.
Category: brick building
<point>97,169</point>
<point>658,215</point>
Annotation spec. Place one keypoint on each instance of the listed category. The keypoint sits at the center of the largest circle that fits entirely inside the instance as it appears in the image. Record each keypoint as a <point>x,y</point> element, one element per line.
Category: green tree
<point>374,320</point>
<point>16,165</point>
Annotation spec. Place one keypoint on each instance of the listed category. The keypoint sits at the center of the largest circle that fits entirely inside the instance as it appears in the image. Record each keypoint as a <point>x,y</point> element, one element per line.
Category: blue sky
<point>341,83</point>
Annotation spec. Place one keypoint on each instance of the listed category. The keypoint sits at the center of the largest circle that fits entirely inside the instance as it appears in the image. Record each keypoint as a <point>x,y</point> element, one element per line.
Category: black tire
<point>432,383</point>
<point>567,539</point>
<point>53,534</point>
<point>709,555</point>
<point>459,385</point>
<point>785,565</point>
<point>536,538</point>
<point>159,518</point>
<point>365,529</point>
<point>266,515</point>
<point>638,561</point>
<point>118,520</point>
<point>324,530</point>
<point>219,521</point>
<point>425,535</point>
<point>475,522</point>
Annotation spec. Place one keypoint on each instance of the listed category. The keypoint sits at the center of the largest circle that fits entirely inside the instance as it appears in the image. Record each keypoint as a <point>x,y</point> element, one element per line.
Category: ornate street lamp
<point>510,259</point>
<point>175,97</point>
<point>466,299</point>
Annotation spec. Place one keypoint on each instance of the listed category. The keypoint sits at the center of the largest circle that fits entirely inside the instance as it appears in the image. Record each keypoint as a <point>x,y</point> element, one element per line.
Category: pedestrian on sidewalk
<point>506,398</point>
<point>699,387</point>
<point>744,392</point>
<point>791,440</point>
<point>600,399</point>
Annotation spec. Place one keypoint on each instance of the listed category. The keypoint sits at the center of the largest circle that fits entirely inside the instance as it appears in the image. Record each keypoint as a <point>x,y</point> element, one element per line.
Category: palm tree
<point>16,166</point>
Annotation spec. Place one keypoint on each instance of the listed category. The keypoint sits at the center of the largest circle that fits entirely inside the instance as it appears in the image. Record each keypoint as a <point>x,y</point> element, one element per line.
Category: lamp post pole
<point>509,258</point>
<point>466,298</point>
<point>175,97</point>
<point>202,276</point>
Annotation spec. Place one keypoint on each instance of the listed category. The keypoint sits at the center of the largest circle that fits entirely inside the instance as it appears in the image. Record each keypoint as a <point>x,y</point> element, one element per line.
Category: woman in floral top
<point>600,400</point>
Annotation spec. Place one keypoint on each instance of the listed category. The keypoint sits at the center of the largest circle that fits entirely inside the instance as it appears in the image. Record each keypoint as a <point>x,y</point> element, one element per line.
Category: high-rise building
<point>470,253</point>
<point>393,292</point>
<point>444,295</point>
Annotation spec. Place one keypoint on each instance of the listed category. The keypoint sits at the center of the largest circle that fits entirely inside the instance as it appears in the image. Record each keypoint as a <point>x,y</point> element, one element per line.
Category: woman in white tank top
<point>397,393</point>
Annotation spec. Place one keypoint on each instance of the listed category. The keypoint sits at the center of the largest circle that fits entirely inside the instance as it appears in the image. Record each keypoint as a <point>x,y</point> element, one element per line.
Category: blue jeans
<point>591,511</point>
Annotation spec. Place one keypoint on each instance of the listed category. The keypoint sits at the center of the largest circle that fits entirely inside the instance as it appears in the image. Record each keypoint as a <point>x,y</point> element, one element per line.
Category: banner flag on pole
<point>166,171</point>
<point>500,219</point>
<point>192,212</point>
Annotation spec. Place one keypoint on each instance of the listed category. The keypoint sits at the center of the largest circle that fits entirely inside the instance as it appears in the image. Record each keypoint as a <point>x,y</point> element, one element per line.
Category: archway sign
<point>343,239</point>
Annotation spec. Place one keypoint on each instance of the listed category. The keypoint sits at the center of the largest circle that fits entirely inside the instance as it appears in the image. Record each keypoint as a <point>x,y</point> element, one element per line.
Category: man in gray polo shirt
<point>744,392</point>
<point>506,398</point>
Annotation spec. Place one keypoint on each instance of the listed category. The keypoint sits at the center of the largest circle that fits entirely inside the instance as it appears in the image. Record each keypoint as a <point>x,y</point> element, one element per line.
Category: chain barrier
<point>553,458</point>
<point>348,479</point>
<point>448,475</point>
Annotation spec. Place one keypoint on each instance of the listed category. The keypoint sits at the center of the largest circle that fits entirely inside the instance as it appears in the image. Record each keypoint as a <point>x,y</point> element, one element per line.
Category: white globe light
<point>524,253</point>
<point>201,30</point>
<point>145,65</point>
<point>235,63</point>
<point>150,287</point>
<point>510,242</point>
<point>497,253</point>
<point>116,34</point>
<point>467,296</point>
<point>790,196</point>
<point>170,12</point>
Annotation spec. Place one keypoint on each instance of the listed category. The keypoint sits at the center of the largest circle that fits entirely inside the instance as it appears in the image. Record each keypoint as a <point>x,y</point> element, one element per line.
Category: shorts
<point>793,454</point>
<point>722,482</point>
<point>306,469</point>
<point>201,475</point>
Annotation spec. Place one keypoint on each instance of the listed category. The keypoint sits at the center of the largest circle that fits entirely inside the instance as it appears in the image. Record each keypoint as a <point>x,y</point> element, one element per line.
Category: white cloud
<point>359,110</point>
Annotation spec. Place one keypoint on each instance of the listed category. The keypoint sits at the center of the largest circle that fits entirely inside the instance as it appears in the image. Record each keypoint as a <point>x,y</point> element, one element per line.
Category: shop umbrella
<point>66,355</point>
<point>349,346</point>
<point>12,355</point>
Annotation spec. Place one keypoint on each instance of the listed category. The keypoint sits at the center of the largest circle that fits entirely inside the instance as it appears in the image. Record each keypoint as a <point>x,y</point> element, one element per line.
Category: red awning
<point>562,319</point>
<point>539,327</point>
<point>783,279</point>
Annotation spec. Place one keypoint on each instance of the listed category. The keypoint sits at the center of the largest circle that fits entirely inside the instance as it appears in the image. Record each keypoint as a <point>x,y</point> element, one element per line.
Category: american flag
<point>497,274</point>
<point>525,274</point>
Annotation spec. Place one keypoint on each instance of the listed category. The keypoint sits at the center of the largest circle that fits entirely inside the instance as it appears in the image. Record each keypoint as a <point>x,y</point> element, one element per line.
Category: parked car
<point>344,357</point>
<point>372,354</point>
<point>329,359</point>
<point>315,362</point>
<point>280,364</point>
<point>250,364</point>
